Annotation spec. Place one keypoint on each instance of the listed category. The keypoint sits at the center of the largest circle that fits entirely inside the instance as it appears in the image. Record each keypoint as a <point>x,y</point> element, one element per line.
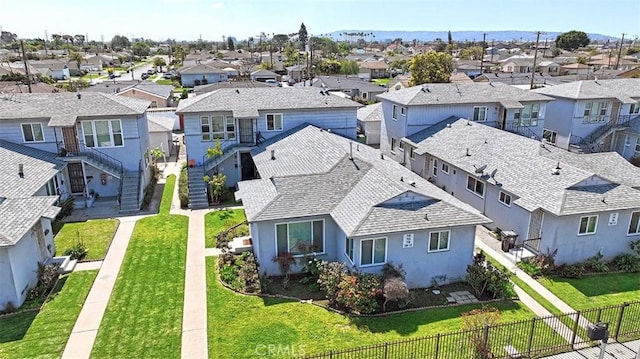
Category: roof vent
<point>401,179</point>
<point>603,201</point>
<point>467,154</point>
<point>412,183</point>
<point>237,91</point>
<point>558,166</point>
<point>448,125</point>
<point>555,172</point>
<point>78,95</point>
<point>468,123</point>
<point>426,217</point>
<point>382,156</point>
<point>322,92</point>
<point>273,154</point>
<point>350,150</point>
<point>425,88</point>
<point>21,170</point>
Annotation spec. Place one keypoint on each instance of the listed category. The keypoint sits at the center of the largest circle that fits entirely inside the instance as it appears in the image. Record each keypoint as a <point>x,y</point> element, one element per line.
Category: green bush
<point>359,293</point>
<point>487,280</point>
<point>529,268</point>
<point>597,263</point>
<point>183,188</point>
<point>571,270</point>
<point>66,207</point>
<point>240,272</point>
<point>627,262</point>
<point>77,251</point>
<point>330,275</point>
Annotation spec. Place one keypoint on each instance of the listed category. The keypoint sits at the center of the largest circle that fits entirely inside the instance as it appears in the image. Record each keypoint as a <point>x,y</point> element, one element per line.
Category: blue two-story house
<point>416,108</point>
<point>242,118</point>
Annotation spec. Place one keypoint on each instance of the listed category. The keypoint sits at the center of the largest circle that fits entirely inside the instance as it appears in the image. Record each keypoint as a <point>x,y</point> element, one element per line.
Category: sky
<point>211,19</point>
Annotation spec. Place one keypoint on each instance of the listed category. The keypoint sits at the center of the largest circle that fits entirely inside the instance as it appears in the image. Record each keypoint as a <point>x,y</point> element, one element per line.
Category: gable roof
<point>200,69</point>
<point>312,174</point>
<point>373,65</point>
<point>264,72</point>
<point>526,169</point>
<point>342,83</point>
<point>264,98</point>
<point>201,89</point>
<point>621,89</point>
<point>371,113</point>
<point>18,215</point>
<point>152,88</point>
<point>64,108</point>
<point>457,93</point>
<point>160,123</point>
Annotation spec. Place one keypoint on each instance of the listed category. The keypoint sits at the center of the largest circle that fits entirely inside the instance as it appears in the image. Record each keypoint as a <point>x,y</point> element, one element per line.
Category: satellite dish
<point>480,169</point>
<point>493,173</point>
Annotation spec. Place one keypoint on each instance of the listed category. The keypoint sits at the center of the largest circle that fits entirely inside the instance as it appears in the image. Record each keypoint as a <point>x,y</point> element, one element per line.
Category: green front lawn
<point>144,315</point>
<point>596,290</point>
<point>164,81</point>
<point>220,220</point>
<point>239,325</point>
<point>44,334</point>
<point>382,82</point>
<point>96,235</point>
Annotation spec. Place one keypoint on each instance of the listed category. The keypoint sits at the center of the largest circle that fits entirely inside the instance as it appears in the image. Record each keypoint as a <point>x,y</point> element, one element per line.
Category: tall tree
<point>572,40</point>
<point>141,49</point>
<point>158,62</point>
<point>77,57</point>
<point>230,45</point>
<point>450,43</point>
<point>120,42</point>
<point>78,39</point>
<point>279,40</point>
<point>432,67</point>
<point>303,36</point>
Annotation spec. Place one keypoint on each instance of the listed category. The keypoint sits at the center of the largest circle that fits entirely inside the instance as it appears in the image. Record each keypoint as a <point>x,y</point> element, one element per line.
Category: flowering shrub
<point>359,293</point>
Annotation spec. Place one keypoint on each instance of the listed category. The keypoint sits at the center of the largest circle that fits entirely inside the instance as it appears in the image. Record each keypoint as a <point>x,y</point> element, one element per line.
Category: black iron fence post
<point>619,320</point>
<point>575,329</point>
<point>485,342</point>
<point>437,345</point>
<point>386,349</point>
<point>533,329</point>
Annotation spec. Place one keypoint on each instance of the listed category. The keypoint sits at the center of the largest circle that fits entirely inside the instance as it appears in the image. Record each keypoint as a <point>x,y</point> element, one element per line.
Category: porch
<point>524,249</point>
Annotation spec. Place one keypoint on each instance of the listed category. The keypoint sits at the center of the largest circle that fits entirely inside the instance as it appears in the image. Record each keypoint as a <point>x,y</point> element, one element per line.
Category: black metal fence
<point>532,338</point>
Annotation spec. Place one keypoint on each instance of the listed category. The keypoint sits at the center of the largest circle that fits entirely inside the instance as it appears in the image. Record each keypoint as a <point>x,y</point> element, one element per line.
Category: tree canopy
<point>432,67</point>
<point>572,40</point>
<point>230,45</point>
<point>120,42</point>
<point>303,36</point>
<point>141,49</point>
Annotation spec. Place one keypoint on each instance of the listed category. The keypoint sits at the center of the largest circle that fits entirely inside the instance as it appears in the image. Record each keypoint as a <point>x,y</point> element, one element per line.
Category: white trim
<point>429,250</point>
<point>486,114</point>
<point>473,191</point>
<point>403,111</point>
<point>442,167</point>
<point>394,113</point>
<point>24,139</point>
<point>373,249</point>
<point>266,122</point>
<point>275,228</point>
<point>94,134</point>
<point>637,231</point>
<point>407,240</point>
<point>505,195</point>
<point>595,229</point>
<point>353,249</point>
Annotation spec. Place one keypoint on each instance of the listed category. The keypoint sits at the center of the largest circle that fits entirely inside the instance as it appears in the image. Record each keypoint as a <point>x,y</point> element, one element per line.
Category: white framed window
<point>588,225</point>
<point>102,133</point>
<point>403,111</point>
<point>393,145</point>
<point>634,109</point>
<point>595,112</point>
<point>32,132</point>
<point>407,240</point>
<point>550,136</point>
<point>439,241</point>
<point>231,128</point>
<point>634,224</point>
<point>373,251</point>
<point>348,250</point>
<point>434,168</point>
<point>274,121</point>
<point>217,127</point>
<point>476,186</point>
<point>528,116</point>
<point>445,168</point>
<point>412,153</point>
<point>637,150</point>
<point>52,187</point>
<point>299,238</point>
<point>394,112</point>
<point>205,128</point>
<point>504,199</point>
<point>480,113</point>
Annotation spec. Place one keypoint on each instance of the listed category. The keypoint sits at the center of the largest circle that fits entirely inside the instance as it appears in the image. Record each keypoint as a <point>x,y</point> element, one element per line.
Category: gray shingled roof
<point>151,87</point>
<point>267,98</point>
<point>524,168</point>
<point>371,113</point>
<point>18,215</point>
<point>64,108</point>
<point>201,69</point>
<point>160,123</point>
<point>201,89</point>
<point>622,89</point>
<point>420,136</point>
<point>312,175</point>
<point>346,83</point>
<point>457,93</point>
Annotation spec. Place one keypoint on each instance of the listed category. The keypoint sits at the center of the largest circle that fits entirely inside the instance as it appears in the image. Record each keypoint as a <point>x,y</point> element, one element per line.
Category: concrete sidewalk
<point>85,330</point>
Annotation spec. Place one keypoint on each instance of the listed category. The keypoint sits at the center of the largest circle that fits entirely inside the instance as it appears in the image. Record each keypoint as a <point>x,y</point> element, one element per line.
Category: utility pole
<point>26,66</point>
<point>46,36</point>
<point>620,51</point>
<point>535,57</point>
<point>484,37</point>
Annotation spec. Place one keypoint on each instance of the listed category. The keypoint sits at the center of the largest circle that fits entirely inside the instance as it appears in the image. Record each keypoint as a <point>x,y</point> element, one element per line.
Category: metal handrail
<point>207,161</point>
<point>533,244</point>
<point>103,157</point>
<point>140,178</point>
<point>518,128</point>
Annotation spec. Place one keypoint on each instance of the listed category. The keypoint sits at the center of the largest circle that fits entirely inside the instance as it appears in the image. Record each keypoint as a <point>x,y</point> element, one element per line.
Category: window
<point>634,109</point>
<point>434,170</point>
<point>154,104</point>
<point>274,122</point>
<point>102,133</point>
<point>528,116</point>
<point>300,237</point>
<point>407,240</point>
<point>550,136</point>
<point>32,132</point>
<point>445,168</point>
<point>348,250</point>
<point>52,187</point>
<point>217,127</point>
<point>475,186</point>
<point>231,128</point>
<point>412,153</point>
<point>595,112</point>
<point>638,145</point>
<point>393,145</point>
<point>373,251</point>
<point>439,241</point>
<point>504,199</point>
<point>634,225</point>
<point>394,112</point>
<point>588,225</point>
<point>403,111</point>
<point>205,128</point>
<point>480,113</point>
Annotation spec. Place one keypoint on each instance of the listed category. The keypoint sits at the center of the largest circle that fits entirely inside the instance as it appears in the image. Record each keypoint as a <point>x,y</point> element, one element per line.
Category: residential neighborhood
<point>300,193</point>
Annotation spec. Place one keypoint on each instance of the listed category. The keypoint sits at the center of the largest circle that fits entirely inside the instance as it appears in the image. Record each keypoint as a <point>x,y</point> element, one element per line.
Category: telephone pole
<point>535,57</point>
<point>620,51</point>
<point>484,37</point>
<point>46,36</point>
<point>26,66</point>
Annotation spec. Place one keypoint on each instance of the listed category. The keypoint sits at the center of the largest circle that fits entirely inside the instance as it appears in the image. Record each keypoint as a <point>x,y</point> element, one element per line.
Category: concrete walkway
<point>85,330</point>
<point>93,265</point>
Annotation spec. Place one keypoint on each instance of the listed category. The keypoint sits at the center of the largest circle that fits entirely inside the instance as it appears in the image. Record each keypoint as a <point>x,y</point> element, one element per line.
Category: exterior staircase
<point>522,130</point>
<point>592,142</point>
<point>197,189</point>
<point>129,195</point>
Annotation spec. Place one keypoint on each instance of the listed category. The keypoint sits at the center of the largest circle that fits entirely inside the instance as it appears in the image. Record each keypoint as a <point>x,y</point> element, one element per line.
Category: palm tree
<point>77,57</point>
<point>159,62</point>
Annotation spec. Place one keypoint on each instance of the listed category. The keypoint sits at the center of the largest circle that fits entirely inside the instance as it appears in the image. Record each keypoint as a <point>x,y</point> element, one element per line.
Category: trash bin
<point>597,331</point>
<point>508,240</point>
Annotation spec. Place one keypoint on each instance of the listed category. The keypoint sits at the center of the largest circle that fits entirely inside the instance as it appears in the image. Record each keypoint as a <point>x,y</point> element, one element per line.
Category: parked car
<point>168,75</point>
<point>152,71</point>
<point>144,76</point>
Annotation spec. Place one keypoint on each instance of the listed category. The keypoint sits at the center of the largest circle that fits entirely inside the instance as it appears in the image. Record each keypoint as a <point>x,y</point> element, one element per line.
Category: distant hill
<point>499,36</point>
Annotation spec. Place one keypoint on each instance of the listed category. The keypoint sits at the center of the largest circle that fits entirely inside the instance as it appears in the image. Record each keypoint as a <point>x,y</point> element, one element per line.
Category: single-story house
<point>202,74</point>
<point>369,121</point>
<point>355,88</point>
<point>264,75</point>
<point>160,133</point>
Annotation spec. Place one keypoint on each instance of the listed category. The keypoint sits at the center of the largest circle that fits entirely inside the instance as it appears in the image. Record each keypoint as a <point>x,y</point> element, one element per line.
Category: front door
<point>70,137</point>
<point>246,130</point>
<point>248,167</point>
<point>76,177</point>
